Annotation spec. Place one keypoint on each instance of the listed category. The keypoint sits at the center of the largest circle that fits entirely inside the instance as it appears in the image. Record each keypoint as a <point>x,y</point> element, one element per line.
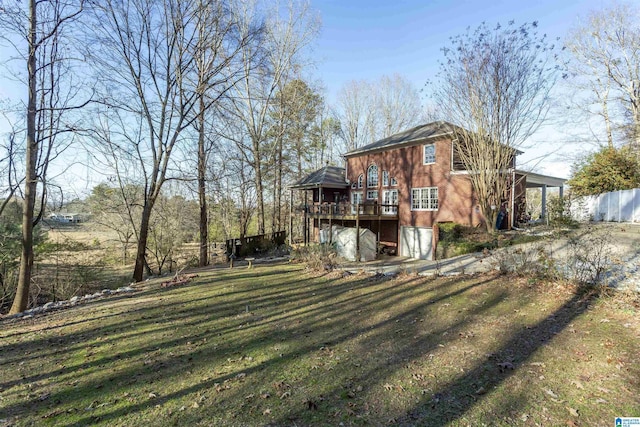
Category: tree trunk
<point>278,196</point>
<point>259,186</point>
<point>26,259</point>
<point>202,194</point>
<point>138,271</point>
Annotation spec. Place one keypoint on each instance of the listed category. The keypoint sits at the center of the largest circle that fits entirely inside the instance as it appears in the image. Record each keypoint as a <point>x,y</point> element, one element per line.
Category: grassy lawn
<point>280,346</point>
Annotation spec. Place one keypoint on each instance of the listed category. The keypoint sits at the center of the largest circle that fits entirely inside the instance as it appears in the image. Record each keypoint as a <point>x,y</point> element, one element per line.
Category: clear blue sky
<point>367,39</point>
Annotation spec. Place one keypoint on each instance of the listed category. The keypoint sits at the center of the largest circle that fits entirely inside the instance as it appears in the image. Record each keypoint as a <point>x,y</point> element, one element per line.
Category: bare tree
<point>218,42</point>
<point>606,63</point>
<point>266,66</point>
<point>494,84</point>
<point>369,111</point>
<point>397,104</point>
<point>11,181</point>
<point>42,30</point>
<point>356,114</point>
<point>157,78</point>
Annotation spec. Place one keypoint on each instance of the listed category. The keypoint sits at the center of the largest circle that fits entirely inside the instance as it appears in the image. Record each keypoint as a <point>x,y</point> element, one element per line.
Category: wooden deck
<point>349,211</point>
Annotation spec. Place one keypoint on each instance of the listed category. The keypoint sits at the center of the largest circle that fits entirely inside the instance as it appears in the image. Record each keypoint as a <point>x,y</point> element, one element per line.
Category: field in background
<point>277,345</point>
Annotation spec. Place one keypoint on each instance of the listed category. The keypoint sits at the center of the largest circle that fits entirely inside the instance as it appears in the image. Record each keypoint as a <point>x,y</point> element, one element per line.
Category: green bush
<point>456,239</point>
<point>559,212</point>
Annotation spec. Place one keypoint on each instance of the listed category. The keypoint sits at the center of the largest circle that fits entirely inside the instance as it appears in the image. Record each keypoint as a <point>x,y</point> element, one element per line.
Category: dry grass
<point>277,345</point>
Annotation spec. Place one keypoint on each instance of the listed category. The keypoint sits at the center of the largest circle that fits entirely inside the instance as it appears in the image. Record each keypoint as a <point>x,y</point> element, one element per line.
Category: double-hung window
<point>424,199</point>
<point>385,178</point>
<point>429,154</point>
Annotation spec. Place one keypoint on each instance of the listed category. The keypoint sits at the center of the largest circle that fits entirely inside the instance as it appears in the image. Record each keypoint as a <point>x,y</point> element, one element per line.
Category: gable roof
<point>407,137</point>
<point>412,136</point>
<point>327,177</point>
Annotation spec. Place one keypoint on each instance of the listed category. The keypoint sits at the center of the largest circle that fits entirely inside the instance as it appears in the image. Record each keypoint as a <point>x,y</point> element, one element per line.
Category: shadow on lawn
<point>163,321</point>
<point>340,329</point>
<point>303,314</point>
<point>449,402</point>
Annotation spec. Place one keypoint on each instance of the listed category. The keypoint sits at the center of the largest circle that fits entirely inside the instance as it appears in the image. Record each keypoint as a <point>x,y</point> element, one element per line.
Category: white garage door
<point>416,242</point>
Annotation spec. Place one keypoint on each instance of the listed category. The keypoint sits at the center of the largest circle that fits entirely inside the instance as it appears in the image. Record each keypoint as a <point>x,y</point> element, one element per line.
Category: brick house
<point>401,186</point>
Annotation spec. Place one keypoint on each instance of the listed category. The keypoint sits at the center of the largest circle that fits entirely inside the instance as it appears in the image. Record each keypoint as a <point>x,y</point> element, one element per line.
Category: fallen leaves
<point>178,280</point>
<point>573,411</point>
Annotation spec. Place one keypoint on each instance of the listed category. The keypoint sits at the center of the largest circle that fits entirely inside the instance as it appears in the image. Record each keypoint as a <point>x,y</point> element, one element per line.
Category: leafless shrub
<point>589,257</point>
<point>534,262</point>
<point>316,257</point>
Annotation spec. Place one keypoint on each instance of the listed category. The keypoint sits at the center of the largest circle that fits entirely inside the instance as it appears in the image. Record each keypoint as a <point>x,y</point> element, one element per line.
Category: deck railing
<point>351,209</point>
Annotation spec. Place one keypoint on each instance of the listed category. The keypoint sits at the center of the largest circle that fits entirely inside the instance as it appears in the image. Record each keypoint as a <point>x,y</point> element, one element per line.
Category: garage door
<point>416,242</point>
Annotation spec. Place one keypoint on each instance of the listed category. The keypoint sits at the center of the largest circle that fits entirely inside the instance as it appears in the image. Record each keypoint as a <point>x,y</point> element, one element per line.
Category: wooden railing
<point>250,245</point>
<point>351,209</point>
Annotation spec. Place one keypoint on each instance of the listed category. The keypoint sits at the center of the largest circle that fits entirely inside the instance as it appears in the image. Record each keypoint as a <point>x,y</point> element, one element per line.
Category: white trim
<point>369,184</point>
<point>388,199</point>
<point>429,199</point>
<point>424,148</point>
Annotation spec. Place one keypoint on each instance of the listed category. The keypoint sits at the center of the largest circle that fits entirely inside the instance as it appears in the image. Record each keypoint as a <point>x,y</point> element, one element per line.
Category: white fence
<point>617,206</point>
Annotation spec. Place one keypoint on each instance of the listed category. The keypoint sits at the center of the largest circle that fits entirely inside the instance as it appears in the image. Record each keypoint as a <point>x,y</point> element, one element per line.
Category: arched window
<point>372,176</point>
<point>360,179</point>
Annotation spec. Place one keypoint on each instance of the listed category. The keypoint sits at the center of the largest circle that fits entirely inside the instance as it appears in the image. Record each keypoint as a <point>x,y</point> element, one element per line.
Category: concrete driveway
<point>621,242</point>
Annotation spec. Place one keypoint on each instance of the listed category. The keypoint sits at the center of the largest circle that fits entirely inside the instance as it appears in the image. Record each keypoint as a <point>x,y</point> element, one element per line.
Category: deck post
<point>357,232</point>
<point>305,225</point>
<point>290,217</point>
<point>330,221</point>
<point>379,224</point>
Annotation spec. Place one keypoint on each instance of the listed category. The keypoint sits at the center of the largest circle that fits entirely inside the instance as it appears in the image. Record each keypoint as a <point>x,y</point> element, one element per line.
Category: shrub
<point>589,257</point>
<point>316,257</point>
<point>559,212</point>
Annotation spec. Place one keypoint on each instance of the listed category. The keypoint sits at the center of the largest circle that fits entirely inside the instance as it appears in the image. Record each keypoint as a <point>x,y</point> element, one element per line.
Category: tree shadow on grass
<point>290,323</point>
<point>329,310</point>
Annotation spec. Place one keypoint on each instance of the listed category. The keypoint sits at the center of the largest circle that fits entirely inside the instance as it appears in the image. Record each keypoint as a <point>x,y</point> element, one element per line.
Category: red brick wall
<point>406,165</point>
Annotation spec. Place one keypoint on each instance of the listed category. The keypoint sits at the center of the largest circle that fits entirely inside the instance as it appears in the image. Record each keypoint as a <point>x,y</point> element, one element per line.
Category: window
<point>372,176</point>
<point>394,181</point>
<point>424,199</point>
<point>372,195</point>
<point>360,180</point>
<point>429,154</point>
<point>390,202</point>
<point>385,178</point>
<point>356,199</point>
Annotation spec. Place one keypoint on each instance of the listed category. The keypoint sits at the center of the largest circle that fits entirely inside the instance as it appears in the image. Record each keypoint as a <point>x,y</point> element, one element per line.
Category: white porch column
<point>544,201</point>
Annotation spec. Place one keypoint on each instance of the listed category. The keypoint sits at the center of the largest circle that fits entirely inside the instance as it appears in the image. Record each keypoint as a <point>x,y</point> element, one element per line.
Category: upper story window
<point>394,181</point>
<point>429,154</point>
<point>360,181</point>
<point>385,178</point>
<point>372,176</point>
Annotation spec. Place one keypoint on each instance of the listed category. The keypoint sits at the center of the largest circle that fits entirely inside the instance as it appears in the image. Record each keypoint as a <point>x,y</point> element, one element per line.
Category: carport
<point>536,180</point>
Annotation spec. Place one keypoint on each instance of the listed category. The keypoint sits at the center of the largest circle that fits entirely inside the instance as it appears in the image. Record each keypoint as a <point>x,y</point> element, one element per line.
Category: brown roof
<point>327,177</point>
